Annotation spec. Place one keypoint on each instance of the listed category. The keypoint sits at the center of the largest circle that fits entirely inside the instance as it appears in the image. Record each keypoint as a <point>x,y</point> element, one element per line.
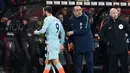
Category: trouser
<point>70,60</point>
<point>103,51</point>
<point>89,62</point>
<point>36,51</point>
<point>113,59</point>
<point>34,65</point>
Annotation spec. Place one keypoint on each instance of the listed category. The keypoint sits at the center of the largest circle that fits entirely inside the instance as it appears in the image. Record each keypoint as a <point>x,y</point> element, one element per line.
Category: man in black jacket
<point>113,34</point>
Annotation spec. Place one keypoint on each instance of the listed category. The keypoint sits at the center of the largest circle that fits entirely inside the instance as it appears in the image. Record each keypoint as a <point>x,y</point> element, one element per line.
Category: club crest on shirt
<point>120,26</point>
<point>81,25</point>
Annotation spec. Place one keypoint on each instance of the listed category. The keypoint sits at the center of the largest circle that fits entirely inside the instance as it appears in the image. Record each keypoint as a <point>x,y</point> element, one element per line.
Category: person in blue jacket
<point>81,35</point>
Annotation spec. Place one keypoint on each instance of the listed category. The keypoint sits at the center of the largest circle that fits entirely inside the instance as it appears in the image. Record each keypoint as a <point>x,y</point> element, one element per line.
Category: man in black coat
<point>113,34</point>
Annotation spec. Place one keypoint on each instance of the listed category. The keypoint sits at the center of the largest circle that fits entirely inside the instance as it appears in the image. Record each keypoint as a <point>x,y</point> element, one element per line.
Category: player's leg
<point>48,64</point>
<point>55,59</point>
<point>53,54</point>
<point>58,65</point>
<point>48,61</point>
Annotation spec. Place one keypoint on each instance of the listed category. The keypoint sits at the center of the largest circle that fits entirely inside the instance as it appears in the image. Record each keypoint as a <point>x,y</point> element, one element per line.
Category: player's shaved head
<point>113,10</point>
<point>113,13</point>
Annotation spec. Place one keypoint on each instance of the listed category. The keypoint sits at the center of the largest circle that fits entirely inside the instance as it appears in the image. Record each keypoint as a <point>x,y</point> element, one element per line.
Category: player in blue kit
<point>52,28</point>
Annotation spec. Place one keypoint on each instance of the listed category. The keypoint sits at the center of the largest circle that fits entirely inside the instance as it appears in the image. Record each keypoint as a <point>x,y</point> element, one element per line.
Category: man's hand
<point>25,22</point>
<point>70,33</point>
<point>35,32</point>
<point>71,46</point>
<point>129,52</point>
<point>46,61</point>
<point>61,47</point>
